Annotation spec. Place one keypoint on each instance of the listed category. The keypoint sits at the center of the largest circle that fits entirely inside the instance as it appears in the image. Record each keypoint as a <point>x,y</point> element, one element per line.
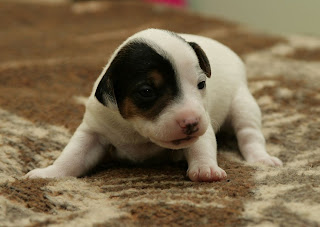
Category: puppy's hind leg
<point>83,152</point>
<point>246,122</point>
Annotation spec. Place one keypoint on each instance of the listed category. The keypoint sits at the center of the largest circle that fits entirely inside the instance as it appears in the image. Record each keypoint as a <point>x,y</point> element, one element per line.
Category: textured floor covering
<point>50,56</point>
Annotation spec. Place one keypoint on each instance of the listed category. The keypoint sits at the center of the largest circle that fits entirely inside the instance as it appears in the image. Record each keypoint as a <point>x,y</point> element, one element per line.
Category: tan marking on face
<point>157,78</point>
<point>128,109</point>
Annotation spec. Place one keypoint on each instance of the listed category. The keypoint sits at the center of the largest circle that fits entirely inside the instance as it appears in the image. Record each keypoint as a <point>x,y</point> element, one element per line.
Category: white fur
<point>226,99</point>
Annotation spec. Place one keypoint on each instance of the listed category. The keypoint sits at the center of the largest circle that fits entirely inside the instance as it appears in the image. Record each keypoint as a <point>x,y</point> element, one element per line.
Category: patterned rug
<point>51,53</point>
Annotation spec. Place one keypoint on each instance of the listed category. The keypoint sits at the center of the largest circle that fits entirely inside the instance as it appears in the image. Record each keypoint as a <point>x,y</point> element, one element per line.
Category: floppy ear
<point>203,59</point>
<point>105,92</point>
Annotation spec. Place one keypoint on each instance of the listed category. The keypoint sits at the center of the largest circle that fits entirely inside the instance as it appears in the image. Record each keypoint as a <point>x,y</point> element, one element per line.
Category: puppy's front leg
<point>83,152</point>
<point>202,159</point>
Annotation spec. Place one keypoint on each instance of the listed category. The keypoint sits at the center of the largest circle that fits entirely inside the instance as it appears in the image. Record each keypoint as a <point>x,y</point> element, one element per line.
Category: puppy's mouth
<point>178,143</point>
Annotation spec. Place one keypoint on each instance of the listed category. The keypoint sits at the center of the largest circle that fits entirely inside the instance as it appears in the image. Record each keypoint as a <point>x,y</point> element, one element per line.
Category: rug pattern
<point>50,56</point>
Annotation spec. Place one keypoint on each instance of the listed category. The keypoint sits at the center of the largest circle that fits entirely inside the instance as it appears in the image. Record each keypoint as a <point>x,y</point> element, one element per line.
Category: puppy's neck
<point>109,122</point>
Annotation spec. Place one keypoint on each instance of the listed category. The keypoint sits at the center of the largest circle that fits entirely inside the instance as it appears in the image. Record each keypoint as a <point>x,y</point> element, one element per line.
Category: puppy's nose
<point>189,125</point>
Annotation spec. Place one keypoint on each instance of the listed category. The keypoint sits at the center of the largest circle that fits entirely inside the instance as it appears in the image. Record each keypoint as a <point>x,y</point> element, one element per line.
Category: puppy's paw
<point>268,160</point>
<point>206,173</point>
<point>48,172</point>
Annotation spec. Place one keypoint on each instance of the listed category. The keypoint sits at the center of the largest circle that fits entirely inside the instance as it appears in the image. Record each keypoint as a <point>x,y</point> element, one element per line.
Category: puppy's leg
<point>202,159</point>
<point>83,152</point>
<point>246,121</point>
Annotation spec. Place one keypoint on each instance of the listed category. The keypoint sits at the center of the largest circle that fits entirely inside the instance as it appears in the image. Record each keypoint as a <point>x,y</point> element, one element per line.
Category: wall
<point>275,16</point>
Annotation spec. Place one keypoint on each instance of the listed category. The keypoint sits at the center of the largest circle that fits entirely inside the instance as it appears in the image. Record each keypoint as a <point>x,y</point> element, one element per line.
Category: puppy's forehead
<point>171,46</point>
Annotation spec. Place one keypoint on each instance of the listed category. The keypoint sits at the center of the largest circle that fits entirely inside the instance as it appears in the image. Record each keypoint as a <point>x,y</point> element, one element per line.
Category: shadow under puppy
<point>164,91</point>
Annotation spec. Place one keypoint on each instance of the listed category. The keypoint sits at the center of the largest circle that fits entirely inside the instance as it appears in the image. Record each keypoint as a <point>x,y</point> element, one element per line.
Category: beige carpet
<point>50,55</point>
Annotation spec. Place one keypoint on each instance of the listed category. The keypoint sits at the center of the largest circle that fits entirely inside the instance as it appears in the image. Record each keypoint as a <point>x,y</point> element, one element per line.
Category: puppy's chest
<point>138,152</point>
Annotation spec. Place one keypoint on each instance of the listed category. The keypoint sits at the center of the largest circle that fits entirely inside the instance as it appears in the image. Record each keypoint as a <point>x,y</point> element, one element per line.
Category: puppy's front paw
<point>48,172</point>
<point>268,160</point>
<point>206,173</point>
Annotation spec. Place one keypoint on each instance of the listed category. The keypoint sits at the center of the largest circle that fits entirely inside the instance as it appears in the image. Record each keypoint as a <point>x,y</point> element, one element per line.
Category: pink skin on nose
<point>189,125</point>
<point>188,121</point>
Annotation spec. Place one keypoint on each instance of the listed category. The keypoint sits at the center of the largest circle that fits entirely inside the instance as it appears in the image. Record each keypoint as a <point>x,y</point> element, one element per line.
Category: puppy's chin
<point>176,144</point>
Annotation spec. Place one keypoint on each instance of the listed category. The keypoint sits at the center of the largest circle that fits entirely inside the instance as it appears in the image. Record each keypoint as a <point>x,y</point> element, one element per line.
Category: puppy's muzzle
<point>189,126</point>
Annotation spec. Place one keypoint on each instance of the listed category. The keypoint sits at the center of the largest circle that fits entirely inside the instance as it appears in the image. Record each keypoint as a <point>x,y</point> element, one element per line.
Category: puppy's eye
<point>146,92</point>
<point>201,85</point>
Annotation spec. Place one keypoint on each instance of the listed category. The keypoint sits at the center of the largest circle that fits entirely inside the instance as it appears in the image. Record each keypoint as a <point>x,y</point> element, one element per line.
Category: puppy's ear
<point>105,92</point>
<point>203,59</point>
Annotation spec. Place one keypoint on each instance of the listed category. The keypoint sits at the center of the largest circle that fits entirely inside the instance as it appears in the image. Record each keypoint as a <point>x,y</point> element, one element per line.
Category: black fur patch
<point>141,81</point>
<point>203,59</point>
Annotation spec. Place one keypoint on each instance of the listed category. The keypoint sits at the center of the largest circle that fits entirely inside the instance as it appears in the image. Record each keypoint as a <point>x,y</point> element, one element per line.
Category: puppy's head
<point>157,80</point>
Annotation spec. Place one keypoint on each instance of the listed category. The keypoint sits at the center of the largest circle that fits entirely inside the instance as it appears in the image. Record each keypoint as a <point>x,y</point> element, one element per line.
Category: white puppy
<point>161,94</point>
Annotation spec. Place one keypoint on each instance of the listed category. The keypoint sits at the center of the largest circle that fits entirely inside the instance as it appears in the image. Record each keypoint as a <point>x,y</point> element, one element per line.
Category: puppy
<point>164,93</point>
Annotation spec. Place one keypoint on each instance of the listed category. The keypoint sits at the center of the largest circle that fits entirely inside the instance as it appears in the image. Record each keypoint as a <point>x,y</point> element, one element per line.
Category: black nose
<point>190,128</point>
